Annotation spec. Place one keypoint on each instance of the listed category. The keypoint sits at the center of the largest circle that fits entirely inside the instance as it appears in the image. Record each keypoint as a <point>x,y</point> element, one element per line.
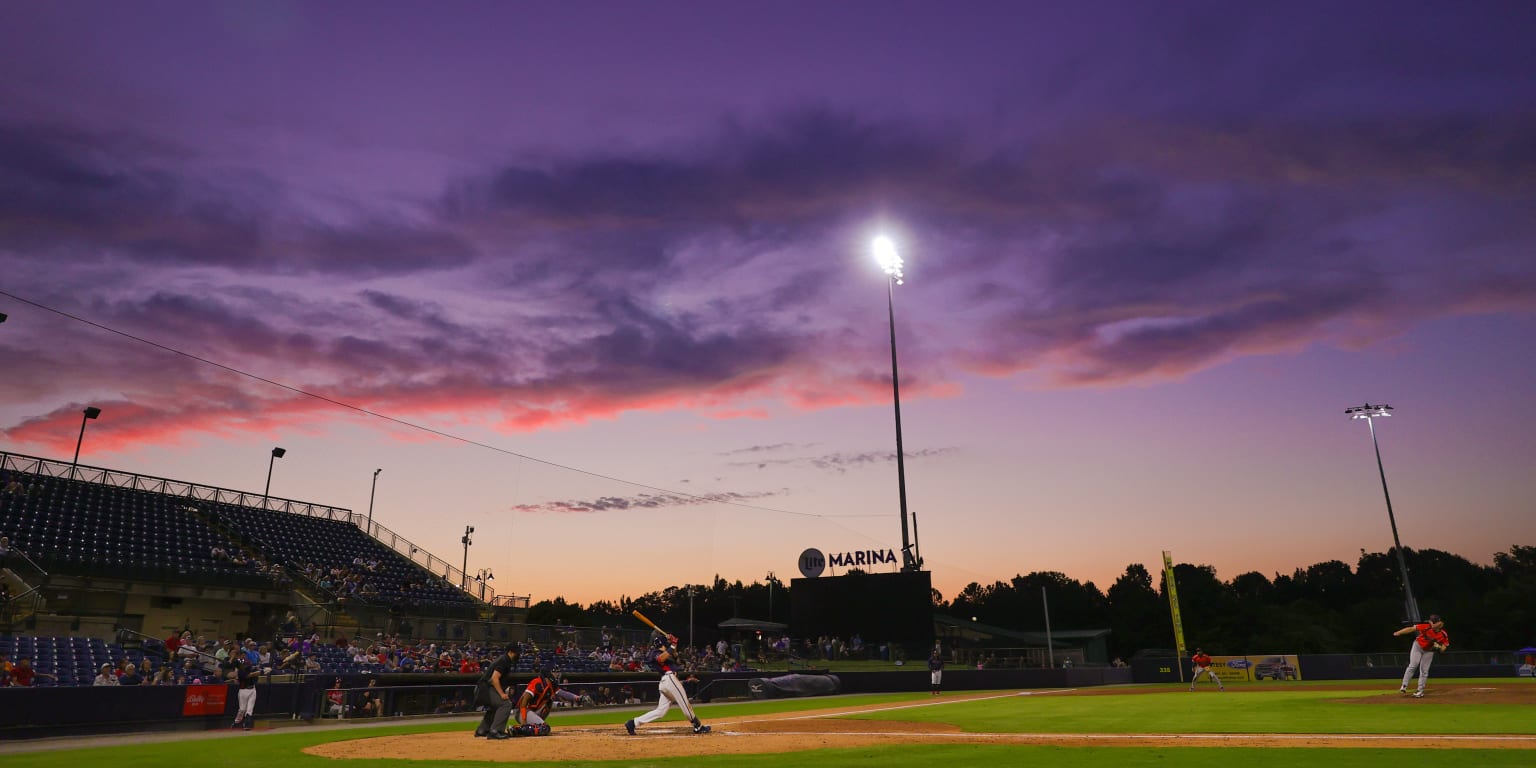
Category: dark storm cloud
<point>1219,236</point>
<point>1109,253</point>
<point>90,196</point>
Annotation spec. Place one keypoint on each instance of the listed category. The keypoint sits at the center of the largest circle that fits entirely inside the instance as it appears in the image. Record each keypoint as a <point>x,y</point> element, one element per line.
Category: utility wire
<point>409,424</point>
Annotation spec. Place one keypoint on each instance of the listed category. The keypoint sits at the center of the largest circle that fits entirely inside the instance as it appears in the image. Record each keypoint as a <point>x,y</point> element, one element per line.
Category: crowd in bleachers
<point>339,558</point>
<point>83,528</point>
<point>185,658</point>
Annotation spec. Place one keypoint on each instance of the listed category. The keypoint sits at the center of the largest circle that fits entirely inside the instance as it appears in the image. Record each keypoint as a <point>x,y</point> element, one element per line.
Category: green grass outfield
<point>1167,709</point>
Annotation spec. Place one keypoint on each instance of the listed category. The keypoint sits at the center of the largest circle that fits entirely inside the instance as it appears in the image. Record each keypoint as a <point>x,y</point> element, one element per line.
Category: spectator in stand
<point>5,669</point>
<point>106,676</point>
<point>130,676</point>
<point>188,673</point>
<point>166,676</point>
<point>24,675</point>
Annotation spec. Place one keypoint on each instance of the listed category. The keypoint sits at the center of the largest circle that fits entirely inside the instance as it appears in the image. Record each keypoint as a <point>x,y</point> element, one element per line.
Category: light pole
<point>890,261</point>
<point>484,576</point>
<point>91,412</point>
<point>770,595</point>
<point>1370,413</point>
<point>468,529</point>
<point>277,453</point>
<point>369,529</point>
<point>690,617</point>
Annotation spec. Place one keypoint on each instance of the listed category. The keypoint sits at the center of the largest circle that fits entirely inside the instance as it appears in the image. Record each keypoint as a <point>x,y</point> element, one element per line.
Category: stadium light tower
<point>463,574</point>
<point>1370,413</point>
<point>890,261</point>
<point>277,453</point>
<point>369,529</point>
<point>91,412</point>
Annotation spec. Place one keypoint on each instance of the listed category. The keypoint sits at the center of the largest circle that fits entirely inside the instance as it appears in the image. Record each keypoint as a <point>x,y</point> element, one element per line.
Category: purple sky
<point>1153,251</point>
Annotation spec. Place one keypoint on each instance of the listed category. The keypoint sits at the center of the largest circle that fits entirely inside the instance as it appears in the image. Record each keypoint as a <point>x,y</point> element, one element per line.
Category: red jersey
<point>22,676</point>
<point>1428,636</point>
<point>1201,659</point>
<point>540,694</point>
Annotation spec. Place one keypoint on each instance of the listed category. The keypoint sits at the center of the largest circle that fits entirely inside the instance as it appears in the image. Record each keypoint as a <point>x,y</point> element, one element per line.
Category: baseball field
<point>1472,723</point>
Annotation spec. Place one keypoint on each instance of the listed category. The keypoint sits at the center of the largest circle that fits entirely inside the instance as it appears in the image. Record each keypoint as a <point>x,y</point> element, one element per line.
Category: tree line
<point>1328,607</point>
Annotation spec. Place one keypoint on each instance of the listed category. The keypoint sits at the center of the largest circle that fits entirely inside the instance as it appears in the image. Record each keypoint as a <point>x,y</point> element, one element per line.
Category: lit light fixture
<point>1368,411</point>
<point>887,257</point>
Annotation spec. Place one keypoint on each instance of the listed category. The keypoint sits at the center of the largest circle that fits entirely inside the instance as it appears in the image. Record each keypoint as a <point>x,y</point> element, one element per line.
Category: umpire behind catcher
<point>492,692</point>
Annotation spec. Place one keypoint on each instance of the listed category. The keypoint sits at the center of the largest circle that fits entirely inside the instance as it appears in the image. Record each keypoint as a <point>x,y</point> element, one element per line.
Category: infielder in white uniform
<point>671,689</point>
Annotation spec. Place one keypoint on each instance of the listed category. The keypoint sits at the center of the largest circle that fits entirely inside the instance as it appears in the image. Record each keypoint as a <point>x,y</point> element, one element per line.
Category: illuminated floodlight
<point>1368,411</point>
<point>888,258</point>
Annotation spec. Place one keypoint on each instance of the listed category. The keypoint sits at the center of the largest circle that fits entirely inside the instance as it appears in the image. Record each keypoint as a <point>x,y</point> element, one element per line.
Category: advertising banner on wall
<point>1276,667</point>
<point>204,700</point>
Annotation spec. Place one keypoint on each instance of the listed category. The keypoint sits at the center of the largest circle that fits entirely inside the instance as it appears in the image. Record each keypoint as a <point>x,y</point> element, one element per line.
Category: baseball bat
<point>650,623</point>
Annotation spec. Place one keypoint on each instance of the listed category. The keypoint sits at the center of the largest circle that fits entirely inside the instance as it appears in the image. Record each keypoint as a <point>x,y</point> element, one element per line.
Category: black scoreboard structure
<point>879,607</point>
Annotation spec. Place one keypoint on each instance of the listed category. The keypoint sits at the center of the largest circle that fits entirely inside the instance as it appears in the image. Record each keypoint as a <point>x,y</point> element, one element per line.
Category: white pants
<point>1205,671</point>
<point>1419,659</point>
<point>671,693</point>
<point>935,677</point>
<point>245,703</point>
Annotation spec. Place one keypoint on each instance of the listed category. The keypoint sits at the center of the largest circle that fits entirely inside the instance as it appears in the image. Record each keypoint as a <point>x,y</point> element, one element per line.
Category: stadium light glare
<point>1370,413</point>
<point>888,258</point>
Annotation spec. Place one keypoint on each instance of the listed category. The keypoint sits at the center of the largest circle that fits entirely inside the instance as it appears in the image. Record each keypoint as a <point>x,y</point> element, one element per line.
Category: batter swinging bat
<point>650,623</point>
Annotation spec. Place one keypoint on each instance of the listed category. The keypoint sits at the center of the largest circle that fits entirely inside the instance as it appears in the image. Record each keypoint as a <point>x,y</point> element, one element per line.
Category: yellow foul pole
<point>1173,606</point>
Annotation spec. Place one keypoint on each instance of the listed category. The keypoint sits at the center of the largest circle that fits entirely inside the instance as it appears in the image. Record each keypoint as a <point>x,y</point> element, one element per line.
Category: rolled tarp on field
<point>789,686</point>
